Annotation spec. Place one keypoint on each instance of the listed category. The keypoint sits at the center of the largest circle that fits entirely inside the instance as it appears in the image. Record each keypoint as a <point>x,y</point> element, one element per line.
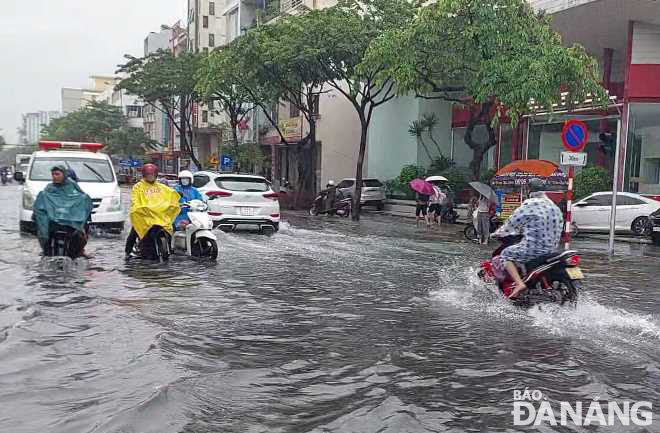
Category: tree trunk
<point>276,175</point>
<point>236,150</point>
<point>479,149</point>
<point>186,145</point>
<point>358,173</point>
<point>306,165</point>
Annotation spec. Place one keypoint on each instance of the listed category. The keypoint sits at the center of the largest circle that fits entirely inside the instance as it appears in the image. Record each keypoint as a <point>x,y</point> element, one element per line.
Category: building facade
<point>33,123</point>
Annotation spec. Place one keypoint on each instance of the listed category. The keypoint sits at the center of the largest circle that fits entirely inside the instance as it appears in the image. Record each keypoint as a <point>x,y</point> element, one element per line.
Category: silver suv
<point>373,191</point>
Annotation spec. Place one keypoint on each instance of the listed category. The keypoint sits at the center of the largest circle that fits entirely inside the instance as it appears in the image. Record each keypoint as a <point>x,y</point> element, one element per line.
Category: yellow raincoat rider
<point>152,204</point>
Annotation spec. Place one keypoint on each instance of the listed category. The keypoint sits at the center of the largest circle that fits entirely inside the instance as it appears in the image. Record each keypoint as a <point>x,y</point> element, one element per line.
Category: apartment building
<point>33,123</point>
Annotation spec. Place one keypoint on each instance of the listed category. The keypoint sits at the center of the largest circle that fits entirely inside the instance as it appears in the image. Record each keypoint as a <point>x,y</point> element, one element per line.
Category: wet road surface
<point>327,326</point>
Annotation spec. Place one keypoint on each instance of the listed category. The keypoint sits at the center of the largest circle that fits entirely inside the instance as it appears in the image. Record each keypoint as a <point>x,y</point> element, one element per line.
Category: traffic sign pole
<point>569,207</point>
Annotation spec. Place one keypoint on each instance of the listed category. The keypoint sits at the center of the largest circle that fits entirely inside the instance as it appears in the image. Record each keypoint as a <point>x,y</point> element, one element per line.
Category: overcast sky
<point>49,44</point>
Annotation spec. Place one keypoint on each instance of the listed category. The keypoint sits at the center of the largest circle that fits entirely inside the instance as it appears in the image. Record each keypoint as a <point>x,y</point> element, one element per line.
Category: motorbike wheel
<point>470,233</point>
<point>205,248</point>
<point>313,211</point>
<point>346,213</point>
<point>162,247</point>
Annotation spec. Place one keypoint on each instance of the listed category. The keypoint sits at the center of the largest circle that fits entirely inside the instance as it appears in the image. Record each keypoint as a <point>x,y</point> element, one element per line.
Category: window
<point>624,200</point>
<point>133,111</point>
<point>87,170</point>
<point>293,110</point>
<point>345,184</point>
<point>199,180</point>
<point>371,183</point>
<point>205,21</point>
<point>211,8</point>
<point>211,40</point>
<point>205,116</point>
<point>599,200</point>
<point>242,184</point>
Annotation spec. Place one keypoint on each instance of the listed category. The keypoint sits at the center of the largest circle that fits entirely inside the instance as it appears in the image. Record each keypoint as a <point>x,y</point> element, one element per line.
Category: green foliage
<point>167,83</point>
<point>103,123</point>
<point>591,179</point>
<point>458,178</point>
<point>439,165</point>
<point>410,172</point>
<point>500,51</point>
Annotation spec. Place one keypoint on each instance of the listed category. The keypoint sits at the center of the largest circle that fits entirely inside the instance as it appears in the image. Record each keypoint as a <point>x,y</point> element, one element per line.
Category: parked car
<point>168,179</point>
<point>239,200</point>
<point>96,177</point>
<point>655,227</point>
<point>373,191</point>
<point>592,213</point>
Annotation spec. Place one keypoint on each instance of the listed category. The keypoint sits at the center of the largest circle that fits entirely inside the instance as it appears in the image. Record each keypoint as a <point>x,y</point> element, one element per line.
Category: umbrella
<point>437,179</point>
<point>484,190</point>
<point>421,186</point>
<point>519,173</point>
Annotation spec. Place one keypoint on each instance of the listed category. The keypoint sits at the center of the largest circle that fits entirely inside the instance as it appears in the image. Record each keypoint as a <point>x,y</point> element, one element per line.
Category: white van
<point>96,177</point>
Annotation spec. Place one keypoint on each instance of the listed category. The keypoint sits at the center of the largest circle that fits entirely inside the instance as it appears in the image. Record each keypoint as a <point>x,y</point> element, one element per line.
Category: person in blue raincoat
<point>187,192</point>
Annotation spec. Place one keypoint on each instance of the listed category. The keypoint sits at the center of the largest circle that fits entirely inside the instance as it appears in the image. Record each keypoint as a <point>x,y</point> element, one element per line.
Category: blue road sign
<point>575,135</point>
<point>226,162</point>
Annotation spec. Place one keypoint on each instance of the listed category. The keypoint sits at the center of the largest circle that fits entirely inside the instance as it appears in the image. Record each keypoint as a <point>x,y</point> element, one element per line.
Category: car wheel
<point>641,226</point>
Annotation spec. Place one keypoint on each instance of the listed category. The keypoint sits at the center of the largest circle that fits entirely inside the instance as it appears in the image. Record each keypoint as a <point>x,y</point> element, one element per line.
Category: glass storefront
<point>545,141</point>
<point>643,149</point>
<point>462,154</point>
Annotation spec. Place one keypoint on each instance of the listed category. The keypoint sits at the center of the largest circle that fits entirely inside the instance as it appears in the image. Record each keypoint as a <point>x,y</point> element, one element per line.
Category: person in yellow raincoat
<point>152,205</point>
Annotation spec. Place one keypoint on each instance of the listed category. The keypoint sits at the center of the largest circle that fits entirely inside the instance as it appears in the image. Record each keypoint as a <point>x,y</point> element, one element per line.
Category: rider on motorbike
<point>62,204</point>
<point>540,223</point>
<point>152,204</point>
<point>187,192</point>
<point>331,195</point>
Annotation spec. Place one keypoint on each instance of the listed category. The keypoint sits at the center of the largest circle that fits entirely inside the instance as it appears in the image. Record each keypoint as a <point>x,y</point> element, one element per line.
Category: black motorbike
<point>554,278</point>
<point>343,206</point>
<point>65,242</point>
<point>156,245</point>
<point>449,215</point>
<point>4,177</point>
<point>470,231</point>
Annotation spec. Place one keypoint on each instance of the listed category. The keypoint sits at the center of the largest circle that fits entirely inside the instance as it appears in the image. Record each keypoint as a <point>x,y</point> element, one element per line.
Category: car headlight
<point>115,204</point>
<point>28,199</point>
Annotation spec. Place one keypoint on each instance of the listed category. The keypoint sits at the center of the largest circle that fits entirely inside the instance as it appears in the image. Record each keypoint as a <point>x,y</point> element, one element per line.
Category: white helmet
<point>331,182</point>
<point>186,174</point>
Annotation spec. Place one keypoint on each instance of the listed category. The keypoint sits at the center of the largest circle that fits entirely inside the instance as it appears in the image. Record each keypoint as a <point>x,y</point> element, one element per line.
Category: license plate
<point>575,273</point>
<point>656,228</point>
<point>247,211</point>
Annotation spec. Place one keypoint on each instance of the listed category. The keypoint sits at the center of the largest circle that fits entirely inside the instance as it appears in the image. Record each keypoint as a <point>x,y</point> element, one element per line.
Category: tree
<point>591,179</point>
<point>279,64</point>
<point>338,39</point>
<point>94,122</point>
<point>495,56</point>
<point>103,123</point>
<point>167,83</point>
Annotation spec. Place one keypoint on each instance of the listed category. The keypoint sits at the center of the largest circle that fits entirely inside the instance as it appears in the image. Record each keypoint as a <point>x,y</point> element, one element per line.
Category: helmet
<point>186,174</point>
<point>149,169</point>
<point>186,178</point>
<point>536,185</point>
<point>331,182</point>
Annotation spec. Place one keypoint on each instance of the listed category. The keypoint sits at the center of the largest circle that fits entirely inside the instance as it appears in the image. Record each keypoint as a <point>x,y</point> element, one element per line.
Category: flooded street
<point>327,326</point>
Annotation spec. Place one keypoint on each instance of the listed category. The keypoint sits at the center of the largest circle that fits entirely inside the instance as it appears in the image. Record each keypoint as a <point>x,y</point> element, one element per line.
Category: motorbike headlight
<point>115,203</point>
<point>28,199</point>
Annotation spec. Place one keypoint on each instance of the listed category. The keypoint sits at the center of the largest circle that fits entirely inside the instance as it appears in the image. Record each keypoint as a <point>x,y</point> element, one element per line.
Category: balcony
<point>295,7</point>
<point>553,6</point>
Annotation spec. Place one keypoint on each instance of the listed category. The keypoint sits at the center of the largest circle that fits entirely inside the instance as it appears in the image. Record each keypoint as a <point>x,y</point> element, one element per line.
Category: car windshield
<point>86,169</point>
<point>371,183</point>
<point>242,184</point>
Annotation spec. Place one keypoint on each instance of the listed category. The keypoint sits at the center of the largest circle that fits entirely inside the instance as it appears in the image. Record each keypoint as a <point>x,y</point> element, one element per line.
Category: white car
<point>96,177</point>
<point>592,213</point>
<point>373,191</point>
<point>239,200</point>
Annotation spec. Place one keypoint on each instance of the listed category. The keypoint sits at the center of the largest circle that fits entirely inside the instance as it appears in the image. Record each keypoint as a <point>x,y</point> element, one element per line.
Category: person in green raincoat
<point>62,204</point>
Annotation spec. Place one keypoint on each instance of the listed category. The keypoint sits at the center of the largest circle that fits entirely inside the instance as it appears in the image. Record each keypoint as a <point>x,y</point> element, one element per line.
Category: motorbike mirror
<point>18,176</point>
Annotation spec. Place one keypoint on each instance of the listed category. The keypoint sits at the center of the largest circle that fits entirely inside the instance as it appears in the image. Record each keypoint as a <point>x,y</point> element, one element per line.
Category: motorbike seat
<point>549,258</point>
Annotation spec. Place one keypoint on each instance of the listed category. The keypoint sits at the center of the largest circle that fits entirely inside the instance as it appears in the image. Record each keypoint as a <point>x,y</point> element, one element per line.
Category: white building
<point>33,123</point>
<point>130,105</point>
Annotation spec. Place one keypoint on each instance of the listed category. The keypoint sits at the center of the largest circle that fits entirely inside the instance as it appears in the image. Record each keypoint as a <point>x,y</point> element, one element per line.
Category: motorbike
<point>449,216</point>
<point>197,238</point>
<point>4,177</point>
<point>470,231</point>
<point>554,278</point>
<point>343,207</point>
<point>155,245</point>
<point>64,242</point>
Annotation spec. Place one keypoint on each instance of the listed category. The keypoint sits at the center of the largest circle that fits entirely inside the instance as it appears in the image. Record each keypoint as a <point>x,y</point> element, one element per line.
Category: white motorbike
<point>197,238</point>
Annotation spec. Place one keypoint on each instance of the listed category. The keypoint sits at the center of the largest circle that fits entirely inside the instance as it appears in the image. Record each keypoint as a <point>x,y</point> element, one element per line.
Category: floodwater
<point>327,326</point>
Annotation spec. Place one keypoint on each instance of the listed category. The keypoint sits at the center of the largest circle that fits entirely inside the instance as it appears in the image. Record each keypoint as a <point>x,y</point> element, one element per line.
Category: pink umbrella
<point>421,186</point>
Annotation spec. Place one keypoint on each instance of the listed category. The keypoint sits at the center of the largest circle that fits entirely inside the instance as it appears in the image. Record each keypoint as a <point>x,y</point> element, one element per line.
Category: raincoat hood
<point>64,204</point>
